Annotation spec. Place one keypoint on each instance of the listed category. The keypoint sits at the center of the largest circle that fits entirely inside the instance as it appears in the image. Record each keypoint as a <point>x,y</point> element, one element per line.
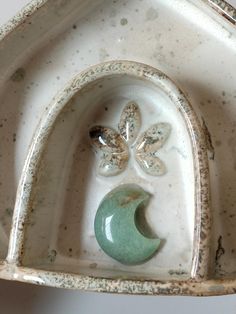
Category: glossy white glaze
<point>69,190</point>
<point>184,39</point>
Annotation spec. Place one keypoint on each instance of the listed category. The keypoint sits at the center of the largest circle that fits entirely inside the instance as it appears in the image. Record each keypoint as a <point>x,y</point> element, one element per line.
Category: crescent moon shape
<point>116,226</point>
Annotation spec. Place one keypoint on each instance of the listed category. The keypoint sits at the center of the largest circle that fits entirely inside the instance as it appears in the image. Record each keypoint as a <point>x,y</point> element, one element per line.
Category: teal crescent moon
<point>117,228</point>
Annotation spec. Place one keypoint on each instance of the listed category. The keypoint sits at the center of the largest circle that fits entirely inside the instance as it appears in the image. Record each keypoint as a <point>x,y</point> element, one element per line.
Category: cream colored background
<point>17,298</point>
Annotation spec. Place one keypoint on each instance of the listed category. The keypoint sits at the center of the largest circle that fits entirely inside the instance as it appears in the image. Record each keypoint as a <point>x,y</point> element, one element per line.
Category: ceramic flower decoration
<point>114,147</point>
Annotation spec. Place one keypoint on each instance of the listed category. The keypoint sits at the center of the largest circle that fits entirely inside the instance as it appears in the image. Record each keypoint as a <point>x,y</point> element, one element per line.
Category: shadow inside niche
<point>12,102</point>
<point>217,111</point>
<point>59,194</point>
<point>72,221</point>
<point>76,239</point>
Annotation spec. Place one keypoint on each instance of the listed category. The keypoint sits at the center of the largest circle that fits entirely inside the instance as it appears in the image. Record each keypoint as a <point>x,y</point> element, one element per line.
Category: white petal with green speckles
<point>130,122</point>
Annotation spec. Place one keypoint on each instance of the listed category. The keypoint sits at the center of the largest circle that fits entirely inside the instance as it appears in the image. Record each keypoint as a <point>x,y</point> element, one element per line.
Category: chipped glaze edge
<point>200,260</point>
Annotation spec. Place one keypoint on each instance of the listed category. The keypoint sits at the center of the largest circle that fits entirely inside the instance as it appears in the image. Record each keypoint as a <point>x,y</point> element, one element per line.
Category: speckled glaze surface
<point>181,36</point>
<point>75,98</point>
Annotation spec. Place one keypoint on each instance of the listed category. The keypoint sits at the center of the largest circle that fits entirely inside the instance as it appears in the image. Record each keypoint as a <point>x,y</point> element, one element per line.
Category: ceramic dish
<point>60,189</point>
<point>52,238</point>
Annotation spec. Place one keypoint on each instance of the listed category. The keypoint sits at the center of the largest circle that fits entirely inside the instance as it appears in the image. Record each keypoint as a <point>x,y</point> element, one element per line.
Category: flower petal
<point>107,140</point>
<point>154,138</point>
<point>130,122</point>
<point>112,164</point>
<point>151,164</point>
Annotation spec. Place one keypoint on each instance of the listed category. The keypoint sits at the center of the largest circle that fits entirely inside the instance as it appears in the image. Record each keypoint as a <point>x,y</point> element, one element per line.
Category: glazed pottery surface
<point>51,100</point>
<point>61,186</point>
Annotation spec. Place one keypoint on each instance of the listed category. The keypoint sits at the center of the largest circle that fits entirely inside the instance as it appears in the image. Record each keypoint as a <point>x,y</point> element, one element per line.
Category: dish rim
<point>222,7</point>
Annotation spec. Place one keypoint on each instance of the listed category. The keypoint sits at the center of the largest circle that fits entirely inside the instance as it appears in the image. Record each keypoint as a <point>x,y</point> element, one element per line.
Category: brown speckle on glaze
<point>218,143</point>
<point>219,252</point>
<point>19,75</point>
<point>9,211</point>
<point>208,140</point>
<point>123,21</point>
<point>93,265</point>
<point>52,254</point>
<point>151,14</point>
